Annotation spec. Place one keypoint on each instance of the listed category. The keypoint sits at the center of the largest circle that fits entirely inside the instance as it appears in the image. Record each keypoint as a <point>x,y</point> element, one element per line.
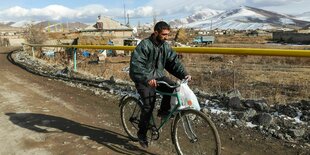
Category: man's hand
<point>188,77</point>
<point>152,83</point>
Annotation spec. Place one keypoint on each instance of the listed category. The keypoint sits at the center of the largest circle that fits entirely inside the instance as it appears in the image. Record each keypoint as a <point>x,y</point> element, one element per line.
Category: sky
<point>139,11</point>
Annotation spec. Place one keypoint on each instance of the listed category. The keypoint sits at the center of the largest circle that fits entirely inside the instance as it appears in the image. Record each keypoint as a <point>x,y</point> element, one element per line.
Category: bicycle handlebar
<point>168,85</point>
<point>172,86</point>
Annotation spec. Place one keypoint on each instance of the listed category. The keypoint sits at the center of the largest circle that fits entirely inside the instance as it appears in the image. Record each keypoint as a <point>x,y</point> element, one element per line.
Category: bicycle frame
<point>188,122</point>
<point>179,103</point>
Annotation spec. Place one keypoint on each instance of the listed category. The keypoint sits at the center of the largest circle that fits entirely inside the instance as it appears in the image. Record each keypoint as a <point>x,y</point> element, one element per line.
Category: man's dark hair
<point>161,26</point>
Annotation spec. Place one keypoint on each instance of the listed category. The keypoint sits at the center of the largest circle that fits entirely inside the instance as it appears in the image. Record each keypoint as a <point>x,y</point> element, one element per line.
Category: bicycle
<point>192,132</point>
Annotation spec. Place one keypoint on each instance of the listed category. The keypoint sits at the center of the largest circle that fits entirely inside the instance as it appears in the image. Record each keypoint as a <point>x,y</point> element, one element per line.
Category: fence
<point>204,50</point>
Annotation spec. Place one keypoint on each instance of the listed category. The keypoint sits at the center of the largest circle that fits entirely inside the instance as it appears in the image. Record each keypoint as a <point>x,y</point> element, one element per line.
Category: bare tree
<point>34,34</point>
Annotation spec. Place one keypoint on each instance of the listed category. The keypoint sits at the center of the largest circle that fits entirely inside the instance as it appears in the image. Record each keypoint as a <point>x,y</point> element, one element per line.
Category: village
<point>106,31</point>
<point>245,89</point>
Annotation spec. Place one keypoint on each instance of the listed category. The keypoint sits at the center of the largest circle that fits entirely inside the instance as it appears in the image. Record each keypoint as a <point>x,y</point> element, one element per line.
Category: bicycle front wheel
<point>130,115</point>
<point>194,133</point>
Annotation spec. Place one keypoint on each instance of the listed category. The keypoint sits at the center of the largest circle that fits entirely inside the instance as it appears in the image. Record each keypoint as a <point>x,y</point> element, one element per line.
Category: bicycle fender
<point>123,98</point>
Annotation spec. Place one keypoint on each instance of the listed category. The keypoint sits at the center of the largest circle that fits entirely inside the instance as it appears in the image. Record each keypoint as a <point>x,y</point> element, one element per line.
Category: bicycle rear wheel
<point>130,115</point>
<point>195,133</point>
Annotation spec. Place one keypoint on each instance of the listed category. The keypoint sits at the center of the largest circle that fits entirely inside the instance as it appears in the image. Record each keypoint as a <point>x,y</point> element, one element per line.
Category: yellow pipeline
<point>245,51</point>
<point>201,50</point>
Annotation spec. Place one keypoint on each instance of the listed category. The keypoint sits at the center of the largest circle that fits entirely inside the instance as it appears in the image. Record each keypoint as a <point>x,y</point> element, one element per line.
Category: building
<point>306,29</point>
<point>291,37</point>
<point>105,31</point>
<point>106,26</point>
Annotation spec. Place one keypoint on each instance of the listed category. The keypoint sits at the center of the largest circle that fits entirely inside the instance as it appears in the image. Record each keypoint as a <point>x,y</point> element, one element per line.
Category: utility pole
<point>68,25</point>
<point>154,19</point>
<point>128,20</point>
<point>124,12</point>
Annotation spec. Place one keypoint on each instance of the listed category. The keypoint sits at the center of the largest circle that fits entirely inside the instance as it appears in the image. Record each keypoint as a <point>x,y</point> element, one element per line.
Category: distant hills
<point>304,16</point>
<point>242,18</point>
<point>48,25</point>
<point>53,26</point>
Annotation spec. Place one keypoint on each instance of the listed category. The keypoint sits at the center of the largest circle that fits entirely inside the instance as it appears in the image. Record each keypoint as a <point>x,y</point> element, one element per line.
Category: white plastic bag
<point>187,96</point>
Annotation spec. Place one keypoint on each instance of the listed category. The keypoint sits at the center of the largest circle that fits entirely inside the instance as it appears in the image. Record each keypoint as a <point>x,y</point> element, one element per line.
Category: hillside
<point>304,16</point>
<point>243,18</point>
<point>56,25</point>
<point>7,27</point>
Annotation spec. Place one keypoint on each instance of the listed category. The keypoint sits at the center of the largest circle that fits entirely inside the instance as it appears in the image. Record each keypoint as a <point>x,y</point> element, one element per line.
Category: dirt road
<point>45,116</point>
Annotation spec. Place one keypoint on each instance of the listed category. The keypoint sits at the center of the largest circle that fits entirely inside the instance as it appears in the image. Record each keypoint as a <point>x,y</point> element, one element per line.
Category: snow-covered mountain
<point>305,16</point>
<point>245,18</point>
<point>6,23</point>
<point>242,18</point>
<point>24,23</point>
<point>197,16</point>
<point>43,24</point>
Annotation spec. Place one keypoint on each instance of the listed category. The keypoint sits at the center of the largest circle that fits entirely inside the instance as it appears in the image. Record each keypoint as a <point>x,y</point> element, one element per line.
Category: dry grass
<point>277,79</point>
<point>242,39</point>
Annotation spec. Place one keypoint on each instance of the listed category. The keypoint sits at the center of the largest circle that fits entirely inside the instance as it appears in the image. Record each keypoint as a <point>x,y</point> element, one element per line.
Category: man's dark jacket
<point>149,60</point>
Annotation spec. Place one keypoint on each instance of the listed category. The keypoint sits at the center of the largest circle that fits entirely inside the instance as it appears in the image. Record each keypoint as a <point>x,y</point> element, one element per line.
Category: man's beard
<point>160,41</point>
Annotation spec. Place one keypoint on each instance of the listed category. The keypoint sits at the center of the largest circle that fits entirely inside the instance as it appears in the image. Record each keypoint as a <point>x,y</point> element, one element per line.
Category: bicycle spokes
<point>188,128</point>
<point>130,115</point>
<point>135,116</point>
<point>194,133</point>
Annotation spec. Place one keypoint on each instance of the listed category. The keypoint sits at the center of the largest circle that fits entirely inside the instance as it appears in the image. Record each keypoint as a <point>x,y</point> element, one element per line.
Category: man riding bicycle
<point>148,63</point>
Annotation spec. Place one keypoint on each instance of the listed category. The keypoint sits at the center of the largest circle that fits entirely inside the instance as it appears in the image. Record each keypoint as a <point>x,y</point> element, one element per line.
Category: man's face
<point>162,36</point>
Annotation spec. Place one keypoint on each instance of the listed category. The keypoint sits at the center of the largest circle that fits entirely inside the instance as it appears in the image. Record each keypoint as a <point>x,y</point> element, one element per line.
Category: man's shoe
<point>143,141</point>
<point>144,144</point>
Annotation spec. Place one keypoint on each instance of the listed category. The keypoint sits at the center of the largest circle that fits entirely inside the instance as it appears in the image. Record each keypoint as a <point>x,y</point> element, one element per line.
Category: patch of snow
<point>24,23</point>
<point>219,111</point>
<point>297,118</point>
<point>250,125</point>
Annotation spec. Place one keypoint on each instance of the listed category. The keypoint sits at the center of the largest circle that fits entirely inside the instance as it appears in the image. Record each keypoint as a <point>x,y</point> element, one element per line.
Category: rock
<point>112,79</point>
<point>85,137</point>
<point>305,105</point>
<point>46,122</point>
<point>305,118</point>
<point>65,143</point>
<point>280,136</point>
<point>235,103</point>
<point>247,115</point>
<point>288,137</point>
<point>263,119</point>
<point>240,122</point>
<point>205,111</point>
<point>289,111</point>
<point>261,105</point>
<point>249,103</point>
<point>272,131</point>
<point>233,93</point>
<point>297,132</point>
<point>97,92</point>
<point>307,137</point>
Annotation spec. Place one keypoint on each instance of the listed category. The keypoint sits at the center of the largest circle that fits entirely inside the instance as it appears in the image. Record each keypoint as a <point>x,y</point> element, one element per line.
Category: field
<point>279,80</point>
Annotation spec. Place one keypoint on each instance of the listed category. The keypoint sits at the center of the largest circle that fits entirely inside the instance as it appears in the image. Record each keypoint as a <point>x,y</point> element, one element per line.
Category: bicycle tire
<point>130,110</point>
<point>198,136</point>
